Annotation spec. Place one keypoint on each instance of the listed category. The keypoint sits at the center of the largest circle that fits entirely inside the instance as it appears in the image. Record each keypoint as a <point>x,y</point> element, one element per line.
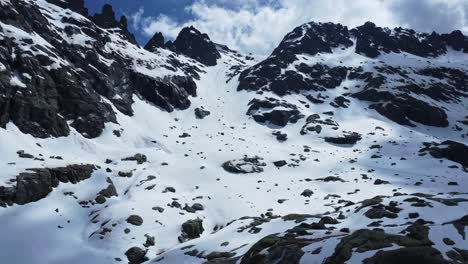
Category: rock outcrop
<point>38,183</point>
<point>56,78</point>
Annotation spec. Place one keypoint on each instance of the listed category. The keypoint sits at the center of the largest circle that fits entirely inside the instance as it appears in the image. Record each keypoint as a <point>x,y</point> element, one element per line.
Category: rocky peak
<point>106,19</point>
<point>123,22</point>
<point>457,40</point>
<point>74,5</point>
<point>313,38</point>
<point>157,41</point>
<point>372,41</point>
<point>196,45</point>
<point>44,100</point>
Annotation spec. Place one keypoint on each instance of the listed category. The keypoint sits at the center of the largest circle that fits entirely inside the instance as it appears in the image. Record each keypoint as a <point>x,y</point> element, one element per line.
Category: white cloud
<point>259,25</point>
<point>136,18</point>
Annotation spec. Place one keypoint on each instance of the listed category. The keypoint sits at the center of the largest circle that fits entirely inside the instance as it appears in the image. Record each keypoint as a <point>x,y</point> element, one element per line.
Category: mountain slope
<point>321,153</point>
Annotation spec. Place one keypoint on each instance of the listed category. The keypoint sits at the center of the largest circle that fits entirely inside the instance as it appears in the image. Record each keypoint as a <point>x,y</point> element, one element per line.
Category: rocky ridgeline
<point>189,42</point>
<point>393,91</point>
<point>50,77</point>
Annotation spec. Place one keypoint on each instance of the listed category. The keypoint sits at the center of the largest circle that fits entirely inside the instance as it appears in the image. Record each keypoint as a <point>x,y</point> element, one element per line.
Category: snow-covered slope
<point>234,176</point>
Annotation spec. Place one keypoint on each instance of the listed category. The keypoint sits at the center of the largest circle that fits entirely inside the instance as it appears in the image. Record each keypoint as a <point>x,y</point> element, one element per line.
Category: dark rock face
<point>191,229</point>
<point>372,41</point>
<point>365,240</point>
<point>65,82</point>
<point>313,38</point>
<point>393,91</point>
<point>404,108</point>
<point>169,93</point>
<point>451,150</point>
<point>37,184</point>
<point>157,41</point>
<point>196,45</point>
<point>263,110</point>
<point>274,249</point>
<point>32,187</point>
<point>267,76</point>
<point>106,19</point>
<point>425,255</point>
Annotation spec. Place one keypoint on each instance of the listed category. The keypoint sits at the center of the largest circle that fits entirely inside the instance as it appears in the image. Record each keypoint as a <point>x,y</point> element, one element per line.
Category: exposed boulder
<point>349,138</point>
<point>281,137</point>
<point>136,255</point>
<point>139,158</point>
<point>135,220</point>
<point>307,193</point>
<point>280,163</point>
<point>314,124</point>
<point>244,165</point>
<point>191,229</point>
<point>273,111</point>
<point>201,113</point>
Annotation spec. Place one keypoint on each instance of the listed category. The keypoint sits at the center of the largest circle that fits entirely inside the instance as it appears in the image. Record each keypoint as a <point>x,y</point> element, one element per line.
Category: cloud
<point>258,26</point>
<point>432,15</point>
<point>136,18</point>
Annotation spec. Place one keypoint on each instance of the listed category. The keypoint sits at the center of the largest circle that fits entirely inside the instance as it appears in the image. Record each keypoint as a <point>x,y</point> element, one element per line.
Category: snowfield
<point>194,170</point>
<point>322,192</point>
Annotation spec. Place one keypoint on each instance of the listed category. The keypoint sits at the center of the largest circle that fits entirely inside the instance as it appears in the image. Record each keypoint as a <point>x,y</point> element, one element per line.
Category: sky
<point>257,26</point>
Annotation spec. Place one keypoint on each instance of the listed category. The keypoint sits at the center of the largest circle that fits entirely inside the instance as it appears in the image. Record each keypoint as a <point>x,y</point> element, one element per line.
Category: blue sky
<point>154,8</point>
<point>258,26</point>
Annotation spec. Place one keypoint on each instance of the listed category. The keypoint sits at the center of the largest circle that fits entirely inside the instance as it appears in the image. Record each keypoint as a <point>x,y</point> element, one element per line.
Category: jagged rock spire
<point>196,45</point>
<point>157,41</point>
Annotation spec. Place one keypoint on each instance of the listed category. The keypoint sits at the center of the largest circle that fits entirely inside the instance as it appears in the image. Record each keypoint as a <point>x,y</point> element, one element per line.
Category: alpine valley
<point>342,146</point>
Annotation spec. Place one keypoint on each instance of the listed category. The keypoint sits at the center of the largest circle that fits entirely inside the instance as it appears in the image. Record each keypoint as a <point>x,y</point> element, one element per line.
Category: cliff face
<point>58,66</point>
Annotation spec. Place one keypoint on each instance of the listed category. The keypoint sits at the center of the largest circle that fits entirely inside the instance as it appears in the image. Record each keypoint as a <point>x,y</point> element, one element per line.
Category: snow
<point>156,134</point>
<point>16,81</point>
<point>194,167</point>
